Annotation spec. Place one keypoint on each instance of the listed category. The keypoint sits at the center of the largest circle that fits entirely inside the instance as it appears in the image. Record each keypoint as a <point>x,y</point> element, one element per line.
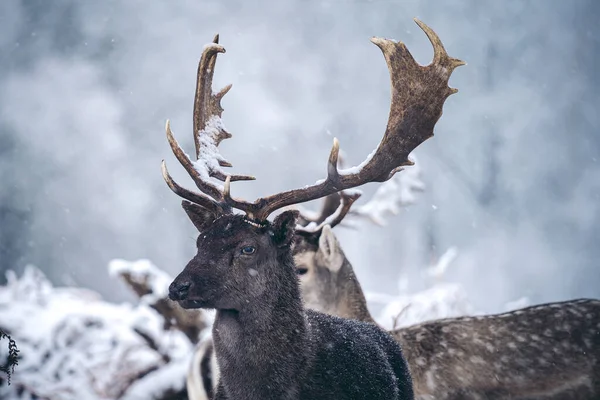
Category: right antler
<point>334,209</point>
<point>418,95</point>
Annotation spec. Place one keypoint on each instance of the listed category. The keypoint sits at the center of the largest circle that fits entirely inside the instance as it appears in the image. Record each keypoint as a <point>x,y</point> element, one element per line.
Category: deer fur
<point>203,373</point>
<point>334,288</point>
<point>548,351</point>
<point>267,345</point>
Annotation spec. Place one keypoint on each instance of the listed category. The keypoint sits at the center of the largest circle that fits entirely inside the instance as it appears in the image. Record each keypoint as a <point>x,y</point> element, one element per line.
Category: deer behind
<point>548,351</point>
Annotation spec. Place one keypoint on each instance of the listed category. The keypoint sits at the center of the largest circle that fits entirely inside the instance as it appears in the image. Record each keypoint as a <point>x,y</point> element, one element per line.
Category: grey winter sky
<point>512,175</point>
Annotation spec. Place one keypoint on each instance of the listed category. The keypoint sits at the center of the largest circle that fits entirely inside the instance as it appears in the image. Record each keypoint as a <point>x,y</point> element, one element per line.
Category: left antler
<point>418,95</point>
<point>208,134</point>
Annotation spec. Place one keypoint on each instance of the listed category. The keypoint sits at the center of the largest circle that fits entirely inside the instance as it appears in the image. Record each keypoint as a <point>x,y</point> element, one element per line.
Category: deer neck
<point>264,342</point>
<point>351,301</point>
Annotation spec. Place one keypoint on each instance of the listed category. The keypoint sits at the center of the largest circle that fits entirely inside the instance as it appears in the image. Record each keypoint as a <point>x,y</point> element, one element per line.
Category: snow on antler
<point>74,345</point>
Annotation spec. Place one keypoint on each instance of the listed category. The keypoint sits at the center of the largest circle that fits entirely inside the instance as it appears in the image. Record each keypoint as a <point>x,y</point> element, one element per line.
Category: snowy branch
<point>73,345</point>
<point>151,285</point>
<point>400,191</point>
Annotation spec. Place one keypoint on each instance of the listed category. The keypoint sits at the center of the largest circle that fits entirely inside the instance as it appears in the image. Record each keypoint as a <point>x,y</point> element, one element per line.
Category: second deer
<point>548,351</point>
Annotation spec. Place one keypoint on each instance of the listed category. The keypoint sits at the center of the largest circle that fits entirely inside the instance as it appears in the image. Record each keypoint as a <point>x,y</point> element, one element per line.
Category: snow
<point>74,345</point>
<point>211,46</point>
<point>438,270</point>
<point>440,300</point>
<point>517,304</point>
<point>399,191</point>
<point>169,377</point>
<point>357,169</point>
<point>209,159</point>
<point>444,300</point>
<point>143,270</point>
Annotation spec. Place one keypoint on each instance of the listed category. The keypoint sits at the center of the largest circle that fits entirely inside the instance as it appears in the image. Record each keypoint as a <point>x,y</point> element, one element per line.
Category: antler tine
<point>417,98</point>
<point>440,56</point>
<point>208,134</point>
<point>330,205</point>
<point>346,200</point>
<point>196,198</point>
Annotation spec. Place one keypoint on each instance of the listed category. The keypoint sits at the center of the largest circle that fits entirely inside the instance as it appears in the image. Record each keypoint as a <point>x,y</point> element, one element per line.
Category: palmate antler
<point>418,95</point>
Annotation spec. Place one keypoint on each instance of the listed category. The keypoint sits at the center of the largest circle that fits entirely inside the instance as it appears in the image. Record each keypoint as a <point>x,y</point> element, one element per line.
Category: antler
<point>418,95</point>
<point>397,192</point>
<point>333,216</point>
<point>330,205</point>
<point>208,134</point>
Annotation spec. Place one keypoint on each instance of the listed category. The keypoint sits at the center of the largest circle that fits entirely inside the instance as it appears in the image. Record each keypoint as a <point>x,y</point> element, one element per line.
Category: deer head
<point>239,256</point>
<point>327,280</point>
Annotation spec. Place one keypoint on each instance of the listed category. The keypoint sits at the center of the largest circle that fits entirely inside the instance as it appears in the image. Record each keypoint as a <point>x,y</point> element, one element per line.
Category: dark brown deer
<point>308,250</point>
<point>268,346</point>
<point>548,351</point>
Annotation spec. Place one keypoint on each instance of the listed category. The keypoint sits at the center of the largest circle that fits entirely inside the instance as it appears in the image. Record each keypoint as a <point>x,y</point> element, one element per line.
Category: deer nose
<point>179,290</point>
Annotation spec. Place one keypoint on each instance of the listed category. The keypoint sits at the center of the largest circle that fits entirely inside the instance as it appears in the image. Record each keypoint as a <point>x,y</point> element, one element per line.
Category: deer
<point>267,344</point>
<point>546,351</point>
<point>308,250</point>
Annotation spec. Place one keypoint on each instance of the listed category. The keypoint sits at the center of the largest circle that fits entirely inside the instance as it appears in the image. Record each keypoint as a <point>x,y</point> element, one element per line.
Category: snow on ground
<point>443,300</point>
<point>155,279</point>
<point>73,345</point>
<point>440,300</point>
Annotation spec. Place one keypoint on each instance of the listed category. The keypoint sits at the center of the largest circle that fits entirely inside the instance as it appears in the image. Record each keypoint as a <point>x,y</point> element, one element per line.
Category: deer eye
<point>247,250</point>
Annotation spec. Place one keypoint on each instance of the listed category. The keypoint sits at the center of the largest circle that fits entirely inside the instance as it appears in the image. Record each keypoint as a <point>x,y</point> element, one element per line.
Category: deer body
<point>311,364</point>
<point>548,351</point>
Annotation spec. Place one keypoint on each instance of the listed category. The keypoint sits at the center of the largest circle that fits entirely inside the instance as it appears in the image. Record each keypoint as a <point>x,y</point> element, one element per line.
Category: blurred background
<point>512,176</point>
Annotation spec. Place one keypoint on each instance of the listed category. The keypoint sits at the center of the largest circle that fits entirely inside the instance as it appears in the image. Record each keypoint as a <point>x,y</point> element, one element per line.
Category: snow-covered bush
<point>74,345</point>
<point>440,300</point>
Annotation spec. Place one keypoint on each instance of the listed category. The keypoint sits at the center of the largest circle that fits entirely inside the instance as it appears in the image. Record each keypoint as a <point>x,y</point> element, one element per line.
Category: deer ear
<point>200,216</point>
<point>284,227</point>
<point>330,250</point>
